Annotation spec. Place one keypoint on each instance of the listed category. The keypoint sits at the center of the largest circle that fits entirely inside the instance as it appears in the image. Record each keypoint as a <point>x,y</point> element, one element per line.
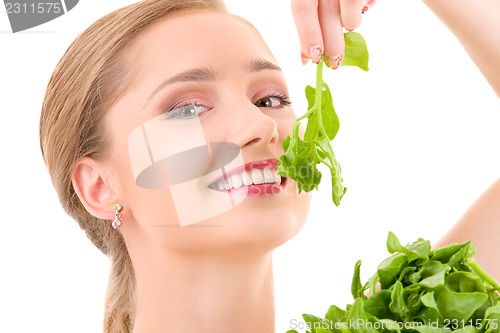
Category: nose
<point>250,126</point>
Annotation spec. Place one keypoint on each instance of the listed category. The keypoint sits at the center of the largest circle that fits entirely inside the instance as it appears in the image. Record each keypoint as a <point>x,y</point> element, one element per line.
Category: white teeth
<point>268,175</point>
<point>236,181</point>
<point>257,176</point>
<point>254,176</point>
<point>221,186</point>
<point>245,177</point>
<point>277,178</point>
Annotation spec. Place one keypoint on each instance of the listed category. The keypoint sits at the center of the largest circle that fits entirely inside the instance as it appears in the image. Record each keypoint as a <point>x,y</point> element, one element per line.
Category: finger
<point>350,13</point>
<point>333,33</point>
<point>305,14</point>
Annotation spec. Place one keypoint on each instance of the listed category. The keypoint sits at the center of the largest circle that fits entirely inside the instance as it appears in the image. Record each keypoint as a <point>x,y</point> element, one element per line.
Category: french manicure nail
<point>367,6</point>
<point>335,61</point>
<point>315,53</point>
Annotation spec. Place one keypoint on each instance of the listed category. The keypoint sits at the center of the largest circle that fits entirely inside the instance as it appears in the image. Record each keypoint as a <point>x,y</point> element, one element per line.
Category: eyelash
<point>174,113</point>
<point>283,98</point>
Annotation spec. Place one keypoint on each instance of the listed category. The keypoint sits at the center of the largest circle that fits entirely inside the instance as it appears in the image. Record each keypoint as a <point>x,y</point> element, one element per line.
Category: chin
<point>265,225</point>
<point>254,227</point>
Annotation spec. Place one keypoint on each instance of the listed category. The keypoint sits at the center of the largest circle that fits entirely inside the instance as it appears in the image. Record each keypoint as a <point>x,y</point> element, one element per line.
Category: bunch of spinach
<point>418,290</point>
<point>301,156</point>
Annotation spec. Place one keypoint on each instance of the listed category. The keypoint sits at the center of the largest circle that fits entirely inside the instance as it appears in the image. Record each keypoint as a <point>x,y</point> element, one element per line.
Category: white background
<point>418,143</point>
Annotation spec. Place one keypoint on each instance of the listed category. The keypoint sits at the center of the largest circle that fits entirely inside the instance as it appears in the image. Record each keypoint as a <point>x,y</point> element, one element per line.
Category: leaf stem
<point>319,89</point>
<point>305,115</point>
<point>319,99</point>
<point>295,131</point>
<point>482,273</point>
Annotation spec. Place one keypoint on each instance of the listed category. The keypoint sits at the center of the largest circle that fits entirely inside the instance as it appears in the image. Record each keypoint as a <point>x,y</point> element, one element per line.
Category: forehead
<point>199,38</point>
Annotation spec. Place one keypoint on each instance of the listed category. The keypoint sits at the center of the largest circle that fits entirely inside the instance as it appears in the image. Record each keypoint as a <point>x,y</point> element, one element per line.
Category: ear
<point>91,186</point>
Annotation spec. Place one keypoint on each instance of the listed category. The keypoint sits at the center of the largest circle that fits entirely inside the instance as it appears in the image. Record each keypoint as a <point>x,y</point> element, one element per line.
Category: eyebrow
<point>206,74</point>
<point>259,65</point>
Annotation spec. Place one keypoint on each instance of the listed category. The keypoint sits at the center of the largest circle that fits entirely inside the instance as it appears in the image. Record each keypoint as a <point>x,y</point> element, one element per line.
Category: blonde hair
<point>89,78</point>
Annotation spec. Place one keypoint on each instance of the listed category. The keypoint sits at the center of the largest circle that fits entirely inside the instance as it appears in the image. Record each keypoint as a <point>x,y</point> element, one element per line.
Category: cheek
<point>172,189</point>
<point>152,205</point>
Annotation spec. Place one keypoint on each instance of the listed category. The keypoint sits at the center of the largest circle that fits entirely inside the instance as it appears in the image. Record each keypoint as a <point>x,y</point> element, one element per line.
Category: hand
<point>321,24</point>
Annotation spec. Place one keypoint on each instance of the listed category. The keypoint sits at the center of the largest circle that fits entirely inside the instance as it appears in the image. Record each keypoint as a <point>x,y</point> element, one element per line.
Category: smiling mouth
<point>259,173</point>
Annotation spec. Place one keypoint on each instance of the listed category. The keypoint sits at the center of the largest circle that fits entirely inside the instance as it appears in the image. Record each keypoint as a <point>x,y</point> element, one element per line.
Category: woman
<point>162,141</point>
<point>176,267</point>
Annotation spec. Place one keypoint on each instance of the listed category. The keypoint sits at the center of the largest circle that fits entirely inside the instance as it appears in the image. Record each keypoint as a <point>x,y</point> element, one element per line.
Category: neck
<point>205,293</point>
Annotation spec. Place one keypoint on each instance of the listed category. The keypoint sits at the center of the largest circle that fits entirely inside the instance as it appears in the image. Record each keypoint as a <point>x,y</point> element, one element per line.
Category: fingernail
<point>335,61</point>
<point>369,5</point>
<point>305,60</point>
<point>315,53</point>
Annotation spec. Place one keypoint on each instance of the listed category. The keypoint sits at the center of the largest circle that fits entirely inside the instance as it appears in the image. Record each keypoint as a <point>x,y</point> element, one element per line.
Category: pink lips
<point>271,163</point>
<point>256,189</point>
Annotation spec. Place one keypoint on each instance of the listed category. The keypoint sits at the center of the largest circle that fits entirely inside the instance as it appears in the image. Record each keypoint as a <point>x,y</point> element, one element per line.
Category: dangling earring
<point>117,222</point>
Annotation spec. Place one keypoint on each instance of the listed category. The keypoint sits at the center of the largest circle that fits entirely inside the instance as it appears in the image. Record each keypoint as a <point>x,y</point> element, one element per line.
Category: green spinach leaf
<point>421,291</point>
<point>302,155</point>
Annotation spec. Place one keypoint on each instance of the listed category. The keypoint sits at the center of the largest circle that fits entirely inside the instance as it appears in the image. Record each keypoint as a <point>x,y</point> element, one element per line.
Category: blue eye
<point>188,111</point>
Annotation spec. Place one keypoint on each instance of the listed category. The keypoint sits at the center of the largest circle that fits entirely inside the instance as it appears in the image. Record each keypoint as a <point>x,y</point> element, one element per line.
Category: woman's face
<point>197,136</point>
